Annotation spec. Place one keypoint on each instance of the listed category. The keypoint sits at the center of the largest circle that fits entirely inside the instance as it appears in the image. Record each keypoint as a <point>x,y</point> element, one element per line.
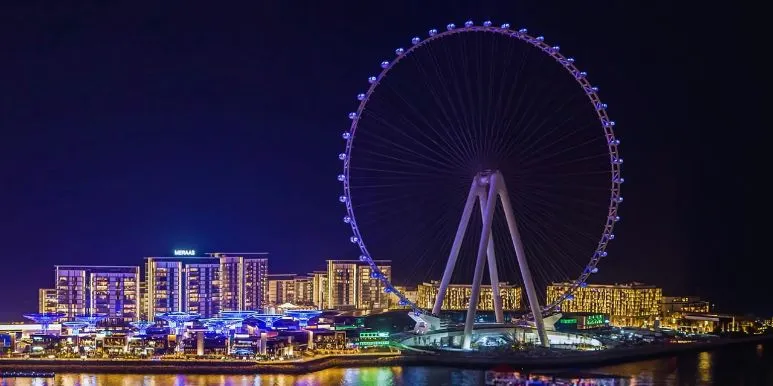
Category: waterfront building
<point>304,290</point>
<point>208,284</point>
<point>458,296</point>
<point>244,280</point>
<point>281,288</point>
<point>109,290</point>
<point>627,305</point>
<point>47,300</point>
<point>143,299</point>
<point>350,285</point>
<point>411,293</point>
<point>319,286</point>
<point>164,281</point>
<point>370,293</point>
<point>202,288</point>
<point>682,304</point>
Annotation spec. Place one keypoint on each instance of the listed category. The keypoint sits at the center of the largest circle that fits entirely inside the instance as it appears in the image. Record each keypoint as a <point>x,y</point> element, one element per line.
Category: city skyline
<point>193,137</point>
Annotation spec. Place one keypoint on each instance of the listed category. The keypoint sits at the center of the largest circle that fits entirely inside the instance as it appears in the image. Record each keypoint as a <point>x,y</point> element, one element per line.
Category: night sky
<point>131,130</point>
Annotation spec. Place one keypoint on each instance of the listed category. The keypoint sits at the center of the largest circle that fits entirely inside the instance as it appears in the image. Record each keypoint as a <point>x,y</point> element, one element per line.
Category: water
<point>748,365</point>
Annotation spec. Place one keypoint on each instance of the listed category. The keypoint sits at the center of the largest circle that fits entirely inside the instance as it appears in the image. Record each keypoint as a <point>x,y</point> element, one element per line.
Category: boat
<point>26,374</point>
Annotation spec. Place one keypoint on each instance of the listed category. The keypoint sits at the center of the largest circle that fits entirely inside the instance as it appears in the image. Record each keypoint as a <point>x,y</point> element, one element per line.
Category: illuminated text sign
<point>184,252</point>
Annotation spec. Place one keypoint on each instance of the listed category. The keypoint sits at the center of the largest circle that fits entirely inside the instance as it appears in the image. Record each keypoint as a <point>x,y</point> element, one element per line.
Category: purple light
<point>341,177</point>
<point>342,198</point>
<point>432,32</point>
<point>399,51</point>
<point>372,79</point>
<point>487,23</point>
<point>360,97</point>
<point>468,23</point>
<point>352,115</point>
<point>385,64</point>
<point>342,156</point>
<point>415,40</point>
<point>346,135</point>
<point>540,38</point>
<point>523,30</point>
<point>347,219</point>
<point>450,26</point>
<point>354,239</point>
<point>363,258</point>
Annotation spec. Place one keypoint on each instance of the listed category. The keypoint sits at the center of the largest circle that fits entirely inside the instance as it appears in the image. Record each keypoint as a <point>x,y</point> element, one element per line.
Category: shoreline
<point>573,360</point>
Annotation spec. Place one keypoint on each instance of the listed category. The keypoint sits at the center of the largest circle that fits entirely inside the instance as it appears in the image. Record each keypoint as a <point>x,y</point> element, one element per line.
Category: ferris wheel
<point>486,116</point>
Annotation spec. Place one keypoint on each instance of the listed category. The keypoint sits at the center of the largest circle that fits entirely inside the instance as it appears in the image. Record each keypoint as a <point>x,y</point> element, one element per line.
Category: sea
<point>743,365</point>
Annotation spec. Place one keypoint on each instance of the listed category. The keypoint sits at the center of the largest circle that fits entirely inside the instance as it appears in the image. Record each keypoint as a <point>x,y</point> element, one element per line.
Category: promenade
<point>473,360</point>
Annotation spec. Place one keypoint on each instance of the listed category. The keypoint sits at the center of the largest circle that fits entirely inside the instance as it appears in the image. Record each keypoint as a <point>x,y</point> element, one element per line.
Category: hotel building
<point>458,296</point>
<point>244,280</point>
<point>206,284</point>
<point>47,300</point>
<point>202,288</point>
<point>350,285</point>
<point>304,290</point>
<point>109,290</point>
<point>626,305</point>
<point>281,289</point>
<point>319,288</point>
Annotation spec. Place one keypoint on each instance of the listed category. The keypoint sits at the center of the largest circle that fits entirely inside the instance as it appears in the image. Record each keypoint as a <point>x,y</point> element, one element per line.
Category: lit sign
<point>595,319</point>
<point>184,252</point>
<point>568,321</point>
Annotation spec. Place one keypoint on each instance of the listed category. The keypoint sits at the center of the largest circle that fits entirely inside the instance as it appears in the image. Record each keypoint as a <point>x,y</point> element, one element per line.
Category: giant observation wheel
<point>472,99</point>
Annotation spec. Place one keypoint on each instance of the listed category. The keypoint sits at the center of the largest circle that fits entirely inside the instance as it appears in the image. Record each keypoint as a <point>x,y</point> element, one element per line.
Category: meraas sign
<point>184,252</point>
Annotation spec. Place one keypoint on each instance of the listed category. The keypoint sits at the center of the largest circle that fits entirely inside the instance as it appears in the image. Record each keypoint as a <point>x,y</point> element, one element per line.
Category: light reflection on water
<point>744,365</point>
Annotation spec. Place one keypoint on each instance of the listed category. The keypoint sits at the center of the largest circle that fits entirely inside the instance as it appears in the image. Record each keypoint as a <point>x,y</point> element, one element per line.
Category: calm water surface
<point>739,366</point>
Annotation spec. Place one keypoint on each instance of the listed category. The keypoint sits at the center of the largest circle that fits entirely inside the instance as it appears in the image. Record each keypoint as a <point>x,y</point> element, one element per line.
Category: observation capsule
<point>385,64</point>
<point>372,79</point>
<point>487,23</point>
<point>360,97</point>
<point>342,198</point>
<point>341,177</point>
<point>347,219</point>
<point>342,156</point>
<point>415,40</point>
<point>506,26</point>
<point>468,23</point>
<point>399,51</point>
<point>346,135</point>
<point>432,32</point>
<point>450,26</point>
<point>354,239</point>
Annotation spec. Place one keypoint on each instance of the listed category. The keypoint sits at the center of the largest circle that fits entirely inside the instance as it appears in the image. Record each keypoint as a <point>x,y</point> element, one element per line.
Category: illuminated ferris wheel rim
<point>579,76</point>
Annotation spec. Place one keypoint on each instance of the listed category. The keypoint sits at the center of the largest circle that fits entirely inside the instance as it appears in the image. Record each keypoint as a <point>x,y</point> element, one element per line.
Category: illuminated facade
<point>370,291</point>
<point>319,286</point>
<point>244,281</point>
<point>47,300</point>
<point>458,296</point>
<point>304,290</point>
<point>164,281</point>
<point>281,289</point>
<point>628,305</point>
<point>206,284</point>
<point>202,289</point>
<point>682,304</point>
<point>412,294</point>
<point>109,290</point>
<point>350,285</point>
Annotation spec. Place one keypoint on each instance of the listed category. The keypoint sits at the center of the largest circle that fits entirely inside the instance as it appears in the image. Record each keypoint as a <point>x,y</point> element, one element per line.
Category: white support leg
<point>452,257</point>
<point>485,234</point>
<point>492,266</point>
<point>528,283</point>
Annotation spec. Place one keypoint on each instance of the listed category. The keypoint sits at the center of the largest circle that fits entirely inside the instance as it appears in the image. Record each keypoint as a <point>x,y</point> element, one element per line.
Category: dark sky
<point>129,130</point>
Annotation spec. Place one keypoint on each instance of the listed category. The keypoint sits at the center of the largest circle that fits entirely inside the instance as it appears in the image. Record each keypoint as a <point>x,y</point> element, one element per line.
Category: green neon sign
<point>595,319</point>
<point>568,321</point>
